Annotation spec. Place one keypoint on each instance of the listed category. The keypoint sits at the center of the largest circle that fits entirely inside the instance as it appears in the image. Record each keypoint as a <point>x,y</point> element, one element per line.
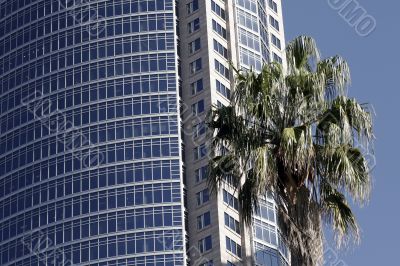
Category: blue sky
<point>374,62</point>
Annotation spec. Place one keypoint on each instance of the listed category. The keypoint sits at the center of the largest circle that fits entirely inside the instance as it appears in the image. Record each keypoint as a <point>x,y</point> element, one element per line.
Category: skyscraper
<point>90,158</point>
<point>213,34</point>
<point>103,151</point>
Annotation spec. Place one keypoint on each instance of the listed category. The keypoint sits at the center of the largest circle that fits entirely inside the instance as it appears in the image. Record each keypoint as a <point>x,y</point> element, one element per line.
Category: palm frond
<point>346,167</point>
<point>338,213</point>
<point>300,52</point>
<point>222,166</point>
<point>337,75</point>
<point>359,118</point>
<point>296,148</point>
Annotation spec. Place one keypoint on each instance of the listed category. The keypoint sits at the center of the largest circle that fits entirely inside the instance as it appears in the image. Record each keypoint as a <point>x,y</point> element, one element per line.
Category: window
<point>277,58</point>
<point>219,29</point>
<point>192,6</point>
<point>202,197</point>
<point>217,9</point>
<point>233,247</point>
<point>195,66</point>
<point>282,246</point>
<point>219,48</point>
<point>221,88</point>
<point>203,220</point>
<point>273,5</point>
<point>200,151</point>
<point>231,200</point>
<point>228,263</point>
<point>208,263</point>
<point>264,255</point>
<point>194,25</point>
<point>229,179</point>
<point>265,232</point>
<point>276,41</point>
<point>199,129</point>
<point>194,46</point>
<point>249,39</point>
<point>196,86</point>
<point>274,23</point>
<point>205,244</point>
<point>231,223</point>
<point>248,4</point>
<point>247,20</point>
<point>198,108</point>
<point>201,174</point>
<point>266,211</point>
<point>220,68</point>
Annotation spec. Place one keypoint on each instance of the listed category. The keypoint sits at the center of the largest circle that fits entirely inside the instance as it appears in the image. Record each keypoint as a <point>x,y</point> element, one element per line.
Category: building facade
<point>103,151</point>
<point>213,34</point>
<point>90,157</point>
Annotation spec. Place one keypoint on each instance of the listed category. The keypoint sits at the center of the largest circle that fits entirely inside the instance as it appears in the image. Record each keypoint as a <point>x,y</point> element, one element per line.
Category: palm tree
<point>293,131</point>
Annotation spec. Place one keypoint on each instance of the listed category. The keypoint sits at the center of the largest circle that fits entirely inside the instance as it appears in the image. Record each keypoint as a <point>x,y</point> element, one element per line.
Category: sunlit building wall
<point>213,34</point>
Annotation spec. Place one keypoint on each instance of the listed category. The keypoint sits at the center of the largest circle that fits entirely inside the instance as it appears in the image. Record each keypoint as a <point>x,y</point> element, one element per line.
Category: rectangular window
<point>195,66</point>
<point>228,263</point>
<point>221,88</point>
<point>194,25</point>
<point>277,58</point>
<point>231,223</point>
<point>198,108</point>
<point>202,197</point>
<point>229,180</point>
<point>249,39</point>
<point>217,9</point>
<point>250,5</point>
<point>231,200</point>
<point>205,244</point>
<point>203,220</point>
<point>274,23</point>
<point>273,5</point>
<point>220,68</point>
<point>192,6</point>
<point>199,129</point>
<point>265,232</point>
<point>196,86</point>
<point>194,46</point>
<point>200,151</point>
<point>233,247</point>
<point>201,174</point>
<point>219,48</point>
<point>247,20</point>
<point>275,41</point>
<point>219,29</point>
<point>266,211</point>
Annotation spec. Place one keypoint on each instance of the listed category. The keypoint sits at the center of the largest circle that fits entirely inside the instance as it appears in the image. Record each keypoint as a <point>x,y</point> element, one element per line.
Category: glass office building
<point>90,151</point>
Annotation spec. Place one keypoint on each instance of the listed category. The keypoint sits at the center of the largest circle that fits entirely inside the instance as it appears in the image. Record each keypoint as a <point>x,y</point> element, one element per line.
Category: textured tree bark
<point>300,223</point>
